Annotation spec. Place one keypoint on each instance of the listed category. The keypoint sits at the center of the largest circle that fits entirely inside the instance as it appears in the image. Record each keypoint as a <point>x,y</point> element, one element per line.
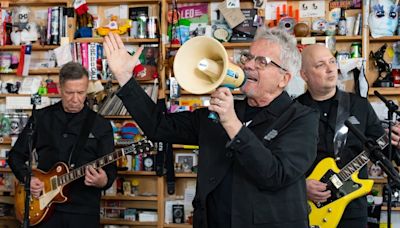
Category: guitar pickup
<point>336,181</point>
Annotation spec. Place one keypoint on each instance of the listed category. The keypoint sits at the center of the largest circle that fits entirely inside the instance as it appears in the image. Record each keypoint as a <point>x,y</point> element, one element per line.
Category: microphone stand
<point>35,99</point>
<point>392,108</point>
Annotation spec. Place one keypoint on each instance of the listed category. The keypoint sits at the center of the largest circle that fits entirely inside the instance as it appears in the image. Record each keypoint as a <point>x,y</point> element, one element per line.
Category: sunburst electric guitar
<point>344,185</point>
<point>60,176</point>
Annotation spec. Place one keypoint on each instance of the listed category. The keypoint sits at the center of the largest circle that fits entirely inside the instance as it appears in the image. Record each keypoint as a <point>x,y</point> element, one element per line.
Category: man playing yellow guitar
<point>330,184</point>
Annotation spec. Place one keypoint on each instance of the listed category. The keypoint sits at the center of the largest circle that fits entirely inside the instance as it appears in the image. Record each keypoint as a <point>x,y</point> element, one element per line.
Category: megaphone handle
<point>214,117</point>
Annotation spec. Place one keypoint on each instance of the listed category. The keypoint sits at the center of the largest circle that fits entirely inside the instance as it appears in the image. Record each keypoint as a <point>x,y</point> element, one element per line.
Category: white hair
<point>290,56</point>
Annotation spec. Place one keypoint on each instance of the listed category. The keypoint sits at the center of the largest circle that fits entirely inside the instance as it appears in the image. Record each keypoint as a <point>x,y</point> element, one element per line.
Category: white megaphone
<point>202,64</point>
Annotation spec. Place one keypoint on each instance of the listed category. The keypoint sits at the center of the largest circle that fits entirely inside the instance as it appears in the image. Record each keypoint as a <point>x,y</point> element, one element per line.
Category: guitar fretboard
<point>362,159</point>
<point>136,148</point>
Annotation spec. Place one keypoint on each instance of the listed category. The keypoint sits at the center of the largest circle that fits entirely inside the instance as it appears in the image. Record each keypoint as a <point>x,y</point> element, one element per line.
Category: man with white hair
<point>252,164</point>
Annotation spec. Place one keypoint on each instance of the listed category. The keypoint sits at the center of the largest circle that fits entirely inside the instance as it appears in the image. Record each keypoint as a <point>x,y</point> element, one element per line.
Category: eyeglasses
<point>260,61</point>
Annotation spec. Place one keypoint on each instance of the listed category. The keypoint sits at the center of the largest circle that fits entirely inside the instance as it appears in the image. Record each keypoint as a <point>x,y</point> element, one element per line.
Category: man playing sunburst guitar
<point>320,72</point>
<point>70,132</point>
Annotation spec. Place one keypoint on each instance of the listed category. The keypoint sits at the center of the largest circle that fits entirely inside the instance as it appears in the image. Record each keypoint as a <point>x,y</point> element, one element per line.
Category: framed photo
<point>184,162</point>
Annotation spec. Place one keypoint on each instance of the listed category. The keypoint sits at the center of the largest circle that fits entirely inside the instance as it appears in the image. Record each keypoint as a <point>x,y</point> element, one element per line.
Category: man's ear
<point>303,75</point>
<point>285,80</point>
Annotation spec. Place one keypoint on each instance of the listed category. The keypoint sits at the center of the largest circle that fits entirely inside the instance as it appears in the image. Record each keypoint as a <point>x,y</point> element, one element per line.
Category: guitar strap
<point>83,136</point>
<point>343,113</point>
<point>165,158</point>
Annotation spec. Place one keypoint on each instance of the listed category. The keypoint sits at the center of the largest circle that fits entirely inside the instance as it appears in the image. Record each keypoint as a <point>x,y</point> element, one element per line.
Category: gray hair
<point>290,56</point>
<point>72,71</point>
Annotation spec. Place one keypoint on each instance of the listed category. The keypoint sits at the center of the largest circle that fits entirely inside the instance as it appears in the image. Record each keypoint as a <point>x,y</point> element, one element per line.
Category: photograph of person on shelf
<point>320,72</point>
<point>70,132</point>
<point>259,151</point>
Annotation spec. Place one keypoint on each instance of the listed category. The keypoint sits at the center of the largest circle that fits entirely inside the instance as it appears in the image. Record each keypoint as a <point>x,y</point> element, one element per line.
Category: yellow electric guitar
<point>344,184</point>
<point>60,176</point>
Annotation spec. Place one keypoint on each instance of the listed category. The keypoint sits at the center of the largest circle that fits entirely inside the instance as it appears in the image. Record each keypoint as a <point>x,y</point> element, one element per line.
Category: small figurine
<point>25,32</point>
<point>114,27</point>
<point>42,91</point>
<point>384,75</point>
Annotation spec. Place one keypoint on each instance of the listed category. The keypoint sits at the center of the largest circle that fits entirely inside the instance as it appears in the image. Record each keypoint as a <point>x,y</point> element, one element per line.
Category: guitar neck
<point>101,162</point>
<point>362,159</point>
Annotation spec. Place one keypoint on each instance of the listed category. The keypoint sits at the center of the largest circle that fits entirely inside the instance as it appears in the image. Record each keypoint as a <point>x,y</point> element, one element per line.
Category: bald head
<point>312,53</point>
<point>319,71</point>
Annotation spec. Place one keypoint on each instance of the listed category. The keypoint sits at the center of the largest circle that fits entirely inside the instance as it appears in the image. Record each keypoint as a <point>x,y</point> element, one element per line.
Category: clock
<point>148,163</point>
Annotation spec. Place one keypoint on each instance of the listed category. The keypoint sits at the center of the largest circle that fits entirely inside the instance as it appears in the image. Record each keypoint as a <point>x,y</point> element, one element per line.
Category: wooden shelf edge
<point>384,38</point>
<point>5,170</point>
<point>5,140</point>
<point>35,47</point>
<point>108,2</point>
<point>189,175</point>
<point>37,71</point>
<point>247,44</point>
<point>124,39</point>
<point>8,218</point>
<point>384,91</point>
<point>38,2</point>
<point>384,208</point>
<point>135,198</point>
<point>27,95</point>
<point>138,173</point>
<point>125,222</point>
<point>174,225</point>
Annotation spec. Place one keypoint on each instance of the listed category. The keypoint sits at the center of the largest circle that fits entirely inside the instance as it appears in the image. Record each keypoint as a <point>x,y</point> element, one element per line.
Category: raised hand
<point>119,60</point>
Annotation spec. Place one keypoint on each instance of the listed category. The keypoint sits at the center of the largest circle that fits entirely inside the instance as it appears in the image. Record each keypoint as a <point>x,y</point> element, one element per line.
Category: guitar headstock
<point>143,146</point>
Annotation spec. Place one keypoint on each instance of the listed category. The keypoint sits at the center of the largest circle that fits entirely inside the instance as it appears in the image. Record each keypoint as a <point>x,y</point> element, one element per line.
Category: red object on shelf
<point>396,77</point>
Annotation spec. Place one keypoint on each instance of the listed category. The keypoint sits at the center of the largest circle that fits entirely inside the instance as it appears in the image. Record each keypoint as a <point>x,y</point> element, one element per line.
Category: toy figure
<point>384,75</point>
<point>25,32</point>
<point>42,89</point>
<point>114,27</point>
<point>383,18</point>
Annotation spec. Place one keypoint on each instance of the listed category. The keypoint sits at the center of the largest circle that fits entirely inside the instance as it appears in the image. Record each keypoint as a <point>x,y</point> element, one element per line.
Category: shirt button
<point>229,154</point>
<point>65,135</point>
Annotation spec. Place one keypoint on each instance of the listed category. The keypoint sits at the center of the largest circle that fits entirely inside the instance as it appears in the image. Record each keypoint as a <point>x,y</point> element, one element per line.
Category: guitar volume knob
<point>325,220</point>
<point>329,209</point>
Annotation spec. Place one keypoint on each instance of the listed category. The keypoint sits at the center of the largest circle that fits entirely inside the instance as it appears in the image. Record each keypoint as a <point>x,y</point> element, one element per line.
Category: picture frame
<point>184,162</point>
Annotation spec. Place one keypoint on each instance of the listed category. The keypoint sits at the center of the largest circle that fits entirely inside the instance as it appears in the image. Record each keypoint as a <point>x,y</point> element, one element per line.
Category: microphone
<point>389,103</point>
<point>375,153</point>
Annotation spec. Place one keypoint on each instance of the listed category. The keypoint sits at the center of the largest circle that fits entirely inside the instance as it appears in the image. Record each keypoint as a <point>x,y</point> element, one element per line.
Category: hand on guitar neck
<point>317,192</point>
<point>95,177</point>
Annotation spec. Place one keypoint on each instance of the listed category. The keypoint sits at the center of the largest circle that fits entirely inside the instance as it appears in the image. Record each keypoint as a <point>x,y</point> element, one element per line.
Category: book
<point>245,31</point>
